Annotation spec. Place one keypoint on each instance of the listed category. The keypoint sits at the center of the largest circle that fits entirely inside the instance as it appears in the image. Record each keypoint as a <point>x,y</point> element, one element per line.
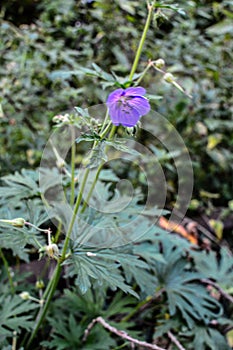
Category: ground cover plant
<point>116,188</point>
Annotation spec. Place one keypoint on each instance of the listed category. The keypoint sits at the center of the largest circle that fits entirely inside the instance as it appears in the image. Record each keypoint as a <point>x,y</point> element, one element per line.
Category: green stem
<point>105,122</point>
<point>73,153</point>
<point>136,309</point>
<point>57,235</point>
<point>51,287</point>
<point>143,303</point>
<point>55,280</point>
<point>143,73</point>
<point>141,43</point>
<point>76,208</point>
<point>6,265</point>
<point>92,187</point>
<point>112,133</point>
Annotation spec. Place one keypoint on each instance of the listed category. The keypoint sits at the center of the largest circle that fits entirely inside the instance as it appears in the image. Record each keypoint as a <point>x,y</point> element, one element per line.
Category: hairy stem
<point>112,133</point>
<point>73,153</point>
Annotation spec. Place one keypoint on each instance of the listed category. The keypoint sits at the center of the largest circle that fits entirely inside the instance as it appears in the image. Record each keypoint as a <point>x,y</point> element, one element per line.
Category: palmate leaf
<point>184,293</point>
<point>12,314</point>
<point>88,268</point>
<point>134,269</point>
<point>207,338</point>
<point>19,186</point>
<point>16,239</point>
<point>93,303</point>
<point>67,333</point>
<point>218,268</point>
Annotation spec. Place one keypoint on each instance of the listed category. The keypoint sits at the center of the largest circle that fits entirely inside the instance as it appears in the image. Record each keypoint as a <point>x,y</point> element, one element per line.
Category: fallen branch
<point>119,333</point>
<point>175,341</point>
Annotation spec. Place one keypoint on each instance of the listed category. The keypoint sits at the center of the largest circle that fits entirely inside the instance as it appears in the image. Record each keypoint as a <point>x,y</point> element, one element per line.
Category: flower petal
<point>135,91</point>
<point>114,96</point>
<point>124,115</point>
<point>129,117</point>
<point>141,104</point>
<point>114,111</point>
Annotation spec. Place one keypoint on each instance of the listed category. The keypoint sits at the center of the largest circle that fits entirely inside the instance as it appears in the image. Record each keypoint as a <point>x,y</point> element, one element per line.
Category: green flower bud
<point>52,250</point>
<point>39,284</point>
<point>160,63</point>
<point>169,78</point>
<point>18,222</point>
<point>24,295</point>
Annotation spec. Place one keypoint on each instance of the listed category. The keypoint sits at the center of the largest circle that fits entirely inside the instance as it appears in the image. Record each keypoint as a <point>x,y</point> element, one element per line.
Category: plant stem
<point>144,73</point>
<point>55,280</point>
<point>7,271</point>
<point>141,43</point>
<point>14,341</point>
<point>73,153</point>
<point>112,133</point>
<point>104,122</point>
<point>51,287</point>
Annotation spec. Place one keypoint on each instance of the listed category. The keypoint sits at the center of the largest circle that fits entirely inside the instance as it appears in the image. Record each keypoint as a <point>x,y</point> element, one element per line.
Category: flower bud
<point>169,78</point>
<point>52,250</point>
<point>24,295</point>
<point>160,63</point>
<point>39,284</point>
<point>60,163</point>
<point>18,222</point>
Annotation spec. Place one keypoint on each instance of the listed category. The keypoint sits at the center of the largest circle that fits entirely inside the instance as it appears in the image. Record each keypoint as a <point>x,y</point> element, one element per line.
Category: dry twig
<point>219,289</point>
<point>175,341</point>
<point>118,332</point>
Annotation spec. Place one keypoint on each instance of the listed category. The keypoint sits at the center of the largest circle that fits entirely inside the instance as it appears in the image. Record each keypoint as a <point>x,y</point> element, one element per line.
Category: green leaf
<point>20,186</point>
<point>121,146</point>
<point>207,337</point>
<point>184,293</point>
<point>170,7</point>
<point>17,239</point>
<point>88,137</point>
<point>88,268</point>
<point>12,315</point>
<point>218,267</point>
<point>67,333</point>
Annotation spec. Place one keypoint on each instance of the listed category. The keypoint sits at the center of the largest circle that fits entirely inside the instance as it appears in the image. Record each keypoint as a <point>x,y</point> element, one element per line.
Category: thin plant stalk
<point>73,154</point>
<point>6,265</point>
<point>112,133</point>
<point>141,43</point>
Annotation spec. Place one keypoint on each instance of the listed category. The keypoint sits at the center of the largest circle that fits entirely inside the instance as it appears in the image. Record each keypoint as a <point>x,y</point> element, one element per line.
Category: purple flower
<point>127,106</point>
